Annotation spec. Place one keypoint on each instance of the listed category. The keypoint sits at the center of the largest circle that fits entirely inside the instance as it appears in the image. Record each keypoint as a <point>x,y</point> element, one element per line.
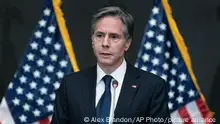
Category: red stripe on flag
<point>44,121</point>
<point>185,115</point>
<point>203,108</point>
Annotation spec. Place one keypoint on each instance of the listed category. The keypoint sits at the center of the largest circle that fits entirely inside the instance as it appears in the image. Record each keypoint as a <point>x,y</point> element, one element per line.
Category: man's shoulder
<point>148,77</point>
<point>79,74</point>
<point>146,74</point>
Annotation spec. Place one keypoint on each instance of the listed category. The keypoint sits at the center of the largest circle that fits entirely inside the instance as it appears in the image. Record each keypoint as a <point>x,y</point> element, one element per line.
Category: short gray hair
<point>114,11</point>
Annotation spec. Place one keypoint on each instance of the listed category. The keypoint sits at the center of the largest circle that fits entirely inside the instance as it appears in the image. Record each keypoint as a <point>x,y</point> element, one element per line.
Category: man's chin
<point>105,63</point>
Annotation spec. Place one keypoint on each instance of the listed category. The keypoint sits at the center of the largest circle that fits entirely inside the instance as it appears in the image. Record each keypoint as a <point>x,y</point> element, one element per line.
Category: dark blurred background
<point>198,22</point>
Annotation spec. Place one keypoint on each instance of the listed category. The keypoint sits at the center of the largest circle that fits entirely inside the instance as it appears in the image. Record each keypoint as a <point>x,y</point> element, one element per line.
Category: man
<point>88,96</point>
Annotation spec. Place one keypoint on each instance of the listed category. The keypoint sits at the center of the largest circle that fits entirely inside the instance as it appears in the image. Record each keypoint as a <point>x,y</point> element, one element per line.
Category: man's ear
<point>92,44</point>
<point>127,44</point>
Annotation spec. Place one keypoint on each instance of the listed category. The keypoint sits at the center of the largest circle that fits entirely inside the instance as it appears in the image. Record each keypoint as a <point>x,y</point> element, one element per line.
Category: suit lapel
<point>128,90</point>
<point>89,92</point>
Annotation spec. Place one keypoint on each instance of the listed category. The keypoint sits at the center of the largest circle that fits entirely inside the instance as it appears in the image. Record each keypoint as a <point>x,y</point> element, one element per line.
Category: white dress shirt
<point>118,75</point>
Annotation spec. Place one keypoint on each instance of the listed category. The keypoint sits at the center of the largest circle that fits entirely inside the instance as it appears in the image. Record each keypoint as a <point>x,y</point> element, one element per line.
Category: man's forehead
<point>106,32</point>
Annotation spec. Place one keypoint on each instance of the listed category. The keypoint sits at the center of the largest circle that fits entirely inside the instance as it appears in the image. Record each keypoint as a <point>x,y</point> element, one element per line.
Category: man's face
<point>109,42</point>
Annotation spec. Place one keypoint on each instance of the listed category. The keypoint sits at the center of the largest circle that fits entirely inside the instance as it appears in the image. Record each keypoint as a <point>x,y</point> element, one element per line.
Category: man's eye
<point>115,37</point>
<point>99,35</point>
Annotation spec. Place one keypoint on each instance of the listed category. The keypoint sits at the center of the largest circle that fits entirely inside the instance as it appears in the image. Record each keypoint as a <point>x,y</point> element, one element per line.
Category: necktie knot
<point>107,80</point>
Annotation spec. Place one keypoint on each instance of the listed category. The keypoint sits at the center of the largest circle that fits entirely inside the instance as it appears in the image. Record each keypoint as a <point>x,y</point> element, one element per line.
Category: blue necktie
<point>104,104</point>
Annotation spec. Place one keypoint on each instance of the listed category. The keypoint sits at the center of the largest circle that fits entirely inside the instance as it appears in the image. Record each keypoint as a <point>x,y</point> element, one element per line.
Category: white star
<point>10,86</point>
<point>23,79</point>
<point>170,105</point>
<point>155,61</point>
<point>145,57</point>
<point>51,29</point>
<point>52,96</point>
<point>160,38</point>
<point>150,34</point>
<point>155,10</point>
<point>171,94</point>
<point>16,101</point>
<point>26,68</point>
<point>165,66</point>
<point>26,107</point>
<point>153,71</point>
<point>179,99</point>
<point>36,113</point>
<point>153,22</point>
<point>136,65</point>
<point>42,23</point>
<point>57,46</point>
<point>157,49</point>
<point>43,91</point>
<point>173,71</point>
<point>33,85</point>
<point>30,96</point>
<point>40,102</point>
<point>44,51</point>
<point>19,90</point>
<point>50,108</point>
<point>174,60</point>
<point>47,12</point>
<point>163,26</point>
<point>56,85</point>
<point>191,93</point>
<point>167,54</point>
<point>148,46</point>
<point>182,77</point>
<point>40,62</point>
<point>30,57</point>
<point>23,118</point>
<point>144,68</point>
<point>60,74</point>
<point>172,83</point>
<point>169,44</point>
<point>53,57</point>
<point>34,45</point>
<point>36,74</point>
<point>50,68</point>
<point>15,75</point>
<point>63,63</point>
<point>47,40</point>
<point>164,77</point>
<point>38,34</point>
<point>181,88</point>
<point>46,79</point>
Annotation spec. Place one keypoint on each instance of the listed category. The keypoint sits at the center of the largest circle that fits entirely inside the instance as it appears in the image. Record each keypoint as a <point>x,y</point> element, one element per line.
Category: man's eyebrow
<point>114,34</point>
<point>99,32</point>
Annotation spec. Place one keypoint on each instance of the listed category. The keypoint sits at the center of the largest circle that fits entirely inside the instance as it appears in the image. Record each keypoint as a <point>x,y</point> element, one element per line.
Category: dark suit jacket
<point>75,99</point>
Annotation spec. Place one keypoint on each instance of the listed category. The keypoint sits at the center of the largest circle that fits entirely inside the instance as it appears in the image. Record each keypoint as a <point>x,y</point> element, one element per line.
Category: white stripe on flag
<point>176,118</point>
<point>194,113</point>
<point>5,114</point>
<point>50,118</point>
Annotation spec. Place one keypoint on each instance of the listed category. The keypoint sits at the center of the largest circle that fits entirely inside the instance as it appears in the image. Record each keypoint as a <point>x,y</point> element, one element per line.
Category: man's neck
<point>108,69</point>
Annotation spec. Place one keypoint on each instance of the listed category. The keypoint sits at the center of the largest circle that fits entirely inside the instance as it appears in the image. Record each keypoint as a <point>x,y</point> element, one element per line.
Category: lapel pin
<point>134,86</point>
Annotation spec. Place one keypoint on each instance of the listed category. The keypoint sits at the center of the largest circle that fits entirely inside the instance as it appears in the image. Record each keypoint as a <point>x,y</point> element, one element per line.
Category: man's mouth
<point>106,54</point>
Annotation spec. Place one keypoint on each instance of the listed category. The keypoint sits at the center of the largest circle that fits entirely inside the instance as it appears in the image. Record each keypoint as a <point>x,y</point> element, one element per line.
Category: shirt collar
<point>118,74</point>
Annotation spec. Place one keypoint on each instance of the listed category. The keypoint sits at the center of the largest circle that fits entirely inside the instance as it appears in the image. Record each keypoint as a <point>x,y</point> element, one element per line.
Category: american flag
<point>31,93</point>
<point>163,53</point>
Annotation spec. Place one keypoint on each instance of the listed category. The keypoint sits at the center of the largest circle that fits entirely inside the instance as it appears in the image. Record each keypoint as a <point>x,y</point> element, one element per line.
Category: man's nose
<point>105,41</point>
